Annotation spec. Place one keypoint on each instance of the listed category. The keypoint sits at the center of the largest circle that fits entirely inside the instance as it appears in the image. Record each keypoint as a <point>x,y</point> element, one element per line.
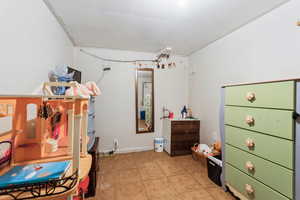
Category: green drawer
<point>268,95</point>
<point>272,175</point>
<point>238,180</point>
<point>279,123</point>
<point>274,149</point>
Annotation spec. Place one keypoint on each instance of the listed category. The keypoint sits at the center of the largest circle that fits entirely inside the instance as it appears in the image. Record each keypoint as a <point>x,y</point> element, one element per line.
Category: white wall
<point>266,49</point>
<point>32,43</point>
<point>115,108</point>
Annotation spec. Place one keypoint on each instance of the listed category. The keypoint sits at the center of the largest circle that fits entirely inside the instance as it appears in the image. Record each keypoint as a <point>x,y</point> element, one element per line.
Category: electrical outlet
<point>116,144</point>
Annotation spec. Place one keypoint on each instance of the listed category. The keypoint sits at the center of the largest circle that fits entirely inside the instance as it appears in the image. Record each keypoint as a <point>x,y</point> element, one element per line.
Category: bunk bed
<point>43,155</point>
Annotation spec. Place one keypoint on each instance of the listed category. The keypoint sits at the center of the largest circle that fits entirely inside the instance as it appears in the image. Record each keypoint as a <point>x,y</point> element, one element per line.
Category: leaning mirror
<point>144,98</point>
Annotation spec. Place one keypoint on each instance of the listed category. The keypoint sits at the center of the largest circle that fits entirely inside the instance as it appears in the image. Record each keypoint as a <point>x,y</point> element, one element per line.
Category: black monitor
<point>77,74</point>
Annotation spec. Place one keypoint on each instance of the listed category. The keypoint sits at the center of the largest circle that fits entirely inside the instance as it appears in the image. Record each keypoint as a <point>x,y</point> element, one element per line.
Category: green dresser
<point>259,134</point>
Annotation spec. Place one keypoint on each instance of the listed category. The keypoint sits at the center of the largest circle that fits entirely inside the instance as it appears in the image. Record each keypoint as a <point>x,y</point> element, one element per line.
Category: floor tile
<point>191,166</point>
<point>106,165</point>
<point>184,183</point>
<point>128,176</point>
<point>108,193</point>
<point>131,191</point>
<point>159,189</point>
<point>170,168</point>
<point>196,195</point>
<point>204,181</point>
<point>155,176</point>
<point>124,163</point>
<point>107,181</point>
<point>219,194</point>
<point>151,171</point>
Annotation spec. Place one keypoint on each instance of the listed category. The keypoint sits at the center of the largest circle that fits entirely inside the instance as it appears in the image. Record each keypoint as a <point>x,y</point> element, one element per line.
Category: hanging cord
<point>105,69</point>
<point>102,75</point>
<point>115,60</point>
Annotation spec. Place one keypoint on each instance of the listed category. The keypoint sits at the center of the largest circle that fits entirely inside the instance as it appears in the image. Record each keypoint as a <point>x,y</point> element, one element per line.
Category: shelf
<point>48,190</point>
<point>38,156</point>
<point>61,151</point>
<point>45,160</point>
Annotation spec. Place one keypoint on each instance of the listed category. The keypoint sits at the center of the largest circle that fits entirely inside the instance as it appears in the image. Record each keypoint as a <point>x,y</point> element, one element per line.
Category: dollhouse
<point>43,154</point>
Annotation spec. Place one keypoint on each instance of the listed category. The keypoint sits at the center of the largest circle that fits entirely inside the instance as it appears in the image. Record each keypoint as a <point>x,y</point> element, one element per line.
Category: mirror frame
<point>136,101</point>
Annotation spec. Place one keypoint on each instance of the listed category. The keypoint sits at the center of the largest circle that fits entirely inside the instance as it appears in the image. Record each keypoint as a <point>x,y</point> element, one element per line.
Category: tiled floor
<point>155,176</point>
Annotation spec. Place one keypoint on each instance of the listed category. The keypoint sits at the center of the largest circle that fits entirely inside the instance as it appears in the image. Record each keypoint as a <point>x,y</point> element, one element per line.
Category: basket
<point>201,157</point>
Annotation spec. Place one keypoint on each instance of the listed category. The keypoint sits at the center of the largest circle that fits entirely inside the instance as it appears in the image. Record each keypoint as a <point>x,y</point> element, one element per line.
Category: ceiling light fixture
<point>164,59</point>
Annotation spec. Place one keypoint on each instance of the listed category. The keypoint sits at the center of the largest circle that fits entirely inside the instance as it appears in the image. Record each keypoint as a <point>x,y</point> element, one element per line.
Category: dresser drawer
<point>185,137</point>
<point>268,95</point>
<point>185,122</point>
<point>239,181</point>
<point>185,130</point>
<point>182,147</point>
<point>279,123</point>
<point>274,149</point>
<point>180,126</point>
<point>275,176</point>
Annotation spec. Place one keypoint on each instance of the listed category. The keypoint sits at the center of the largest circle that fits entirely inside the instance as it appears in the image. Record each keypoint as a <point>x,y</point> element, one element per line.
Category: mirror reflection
<point>144,101</point>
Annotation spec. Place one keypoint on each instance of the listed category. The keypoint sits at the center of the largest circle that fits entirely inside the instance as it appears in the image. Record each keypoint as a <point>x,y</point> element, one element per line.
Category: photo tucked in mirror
<point>144,101</point>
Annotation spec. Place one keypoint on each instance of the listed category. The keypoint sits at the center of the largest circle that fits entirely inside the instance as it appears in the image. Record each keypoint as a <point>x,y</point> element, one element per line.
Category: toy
<point>46,147</point>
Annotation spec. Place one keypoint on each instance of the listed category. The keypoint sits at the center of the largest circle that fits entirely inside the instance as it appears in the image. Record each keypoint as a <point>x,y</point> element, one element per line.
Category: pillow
<point>5,152</point>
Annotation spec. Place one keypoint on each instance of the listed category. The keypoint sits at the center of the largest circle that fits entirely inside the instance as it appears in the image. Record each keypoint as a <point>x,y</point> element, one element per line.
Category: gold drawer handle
<point>250,96</point>
<point>249,189</point>
<point>250,166</point>
<point>249,120</point>
<point>250,143</point>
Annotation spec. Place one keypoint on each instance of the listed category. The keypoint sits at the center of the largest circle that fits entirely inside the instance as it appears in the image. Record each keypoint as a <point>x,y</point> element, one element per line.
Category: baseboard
<point>130,150</point>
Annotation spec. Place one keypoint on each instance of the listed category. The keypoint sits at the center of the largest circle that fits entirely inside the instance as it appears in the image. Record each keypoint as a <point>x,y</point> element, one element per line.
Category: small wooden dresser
<point>261,137</point>
<point>180,135</point>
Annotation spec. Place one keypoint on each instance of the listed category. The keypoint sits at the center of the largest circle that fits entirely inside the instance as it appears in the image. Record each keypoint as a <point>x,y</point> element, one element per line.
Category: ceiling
<point>150,25</point>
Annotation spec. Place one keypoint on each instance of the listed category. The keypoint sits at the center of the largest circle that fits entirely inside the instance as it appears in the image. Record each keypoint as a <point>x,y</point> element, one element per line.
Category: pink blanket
<point>84,90</point>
